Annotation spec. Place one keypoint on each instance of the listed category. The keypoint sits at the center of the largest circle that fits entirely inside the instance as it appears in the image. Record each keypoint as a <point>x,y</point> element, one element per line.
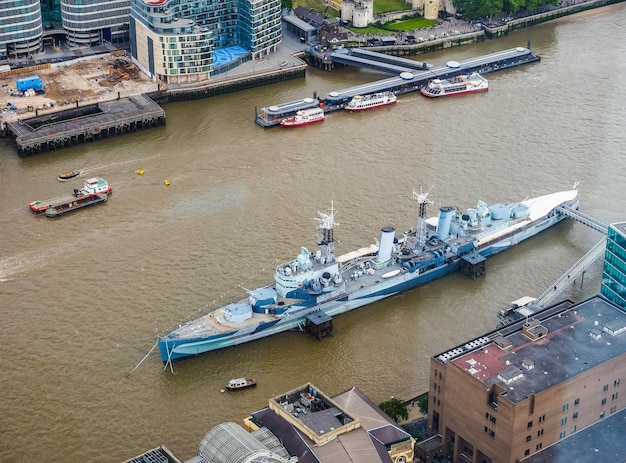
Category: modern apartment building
<point>515,391</point>
<point>21,29</point>
<point>27,25</point>
<point>91,22</point>
<point>181,41</point>
<point>614,272</point>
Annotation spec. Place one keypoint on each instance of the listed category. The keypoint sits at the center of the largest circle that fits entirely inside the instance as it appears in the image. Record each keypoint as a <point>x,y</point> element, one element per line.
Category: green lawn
<point>380,6</point>
<point>385,6</point>
<point>395,26</point>
<point>410,24</point>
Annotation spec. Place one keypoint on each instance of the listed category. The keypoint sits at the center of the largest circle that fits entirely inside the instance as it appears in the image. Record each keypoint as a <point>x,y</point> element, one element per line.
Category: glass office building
<point>21,29</point>
<point>175,41</point>
<point>614,272</point>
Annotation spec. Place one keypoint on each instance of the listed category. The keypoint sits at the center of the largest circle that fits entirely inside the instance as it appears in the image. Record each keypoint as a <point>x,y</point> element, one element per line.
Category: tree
<point>422,403</point>
<point>395,408</point>
<point>287,4</point>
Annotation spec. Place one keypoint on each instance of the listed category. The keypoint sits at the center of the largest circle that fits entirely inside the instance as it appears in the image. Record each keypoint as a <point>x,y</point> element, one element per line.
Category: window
<point>613,409</point>
<point>530,425</point>
<point>604,401</point>
<point>563,421</point>
<point>573,429</point>
<point>540,433</point>
<point>575,415</point>
<point>576,402</point>
<point>528,438</point>
<point>565,407</point>
<point>605,388</point>
<point>542,418</point>
<point>614,396</point>
<point>526,452</point>
<point>539,445</point>
<point>601,415</point>
<point>616,383</point>
<point>561,434</point>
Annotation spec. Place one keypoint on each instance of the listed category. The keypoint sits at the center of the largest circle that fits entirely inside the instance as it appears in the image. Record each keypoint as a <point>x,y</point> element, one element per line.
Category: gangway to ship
<point>583,218</point>
<point>530,306</point>
<point>581,266</point>
<point>576,270</point>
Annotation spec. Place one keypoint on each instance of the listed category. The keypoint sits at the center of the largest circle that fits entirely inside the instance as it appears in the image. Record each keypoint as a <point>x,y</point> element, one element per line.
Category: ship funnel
<point>385,249</point>
<point>445,218</point>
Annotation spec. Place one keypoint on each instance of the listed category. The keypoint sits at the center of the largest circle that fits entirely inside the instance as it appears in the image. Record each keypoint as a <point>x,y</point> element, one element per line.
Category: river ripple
<point>82,296</point>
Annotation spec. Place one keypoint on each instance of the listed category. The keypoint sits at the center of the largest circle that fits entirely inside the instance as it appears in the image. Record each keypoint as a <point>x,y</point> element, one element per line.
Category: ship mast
<point>325,236</point>
<point>423,201</point>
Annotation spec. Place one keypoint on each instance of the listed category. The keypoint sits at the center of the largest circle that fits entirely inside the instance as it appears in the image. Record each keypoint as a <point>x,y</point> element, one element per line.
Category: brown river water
<point>82,296</point>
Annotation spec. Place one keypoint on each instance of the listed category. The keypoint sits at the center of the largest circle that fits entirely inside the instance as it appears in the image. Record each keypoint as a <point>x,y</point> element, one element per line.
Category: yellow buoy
<point>222,391</point>
<point>140,171</point>
<point>166,182</point>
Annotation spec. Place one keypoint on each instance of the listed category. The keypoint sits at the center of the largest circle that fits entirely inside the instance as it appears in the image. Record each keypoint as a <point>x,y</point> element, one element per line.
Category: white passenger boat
<point>455,86</point>
<point>304,117</point>
<point>374,100</point>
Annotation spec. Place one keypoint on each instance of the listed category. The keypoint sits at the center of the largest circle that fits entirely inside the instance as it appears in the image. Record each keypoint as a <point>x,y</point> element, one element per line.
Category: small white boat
<point>455,86</point>
<point>240,383</point>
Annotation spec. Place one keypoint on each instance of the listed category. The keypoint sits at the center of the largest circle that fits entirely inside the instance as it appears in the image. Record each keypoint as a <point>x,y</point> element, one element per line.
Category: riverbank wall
<point>225,86</point>
<point>499,29</point>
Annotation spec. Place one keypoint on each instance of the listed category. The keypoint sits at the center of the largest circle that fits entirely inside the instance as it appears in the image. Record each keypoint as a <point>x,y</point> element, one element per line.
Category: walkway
<point>580,267</point>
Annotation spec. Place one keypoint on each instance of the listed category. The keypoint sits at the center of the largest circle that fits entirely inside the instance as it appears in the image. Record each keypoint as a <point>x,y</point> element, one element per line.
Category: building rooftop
<point>620,227</point>
<point>346,428</point>
<point>601,442</point>
<point>532,355</point>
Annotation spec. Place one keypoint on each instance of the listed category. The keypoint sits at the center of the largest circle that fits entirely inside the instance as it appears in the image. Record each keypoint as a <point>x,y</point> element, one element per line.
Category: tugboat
<point>304,117</point>
<point>240,383</point>
<point>94,191</point>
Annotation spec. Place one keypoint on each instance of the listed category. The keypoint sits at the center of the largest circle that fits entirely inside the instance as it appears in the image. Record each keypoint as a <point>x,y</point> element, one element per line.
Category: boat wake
<point>12,266</point>
<point>102,167</point>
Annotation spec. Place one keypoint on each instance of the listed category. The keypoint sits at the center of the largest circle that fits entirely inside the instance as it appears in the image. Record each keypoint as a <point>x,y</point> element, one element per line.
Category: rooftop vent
<point>615,327</point>
<point>510,374</point>
<point>534,330</point>
<point>502,342</point>
<point>528,364</point>
<point>595,334</point>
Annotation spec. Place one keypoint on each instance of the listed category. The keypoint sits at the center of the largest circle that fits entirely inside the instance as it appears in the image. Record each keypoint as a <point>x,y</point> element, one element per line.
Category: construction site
<point>88,80</point>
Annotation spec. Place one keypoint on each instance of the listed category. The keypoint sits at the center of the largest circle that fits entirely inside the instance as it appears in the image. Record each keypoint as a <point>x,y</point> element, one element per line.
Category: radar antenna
<point>423,201</point>
<point>325,235</point>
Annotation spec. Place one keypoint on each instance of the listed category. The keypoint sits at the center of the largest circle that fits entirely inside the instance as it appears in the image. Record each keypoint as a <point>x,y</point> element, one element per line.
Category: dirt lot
<point>97,79</point>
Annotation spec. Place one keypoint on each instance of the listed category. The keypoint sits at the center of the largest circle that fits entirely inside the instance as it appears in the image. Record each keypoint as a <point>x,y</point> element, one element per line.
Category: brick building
<point>517,390</point>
